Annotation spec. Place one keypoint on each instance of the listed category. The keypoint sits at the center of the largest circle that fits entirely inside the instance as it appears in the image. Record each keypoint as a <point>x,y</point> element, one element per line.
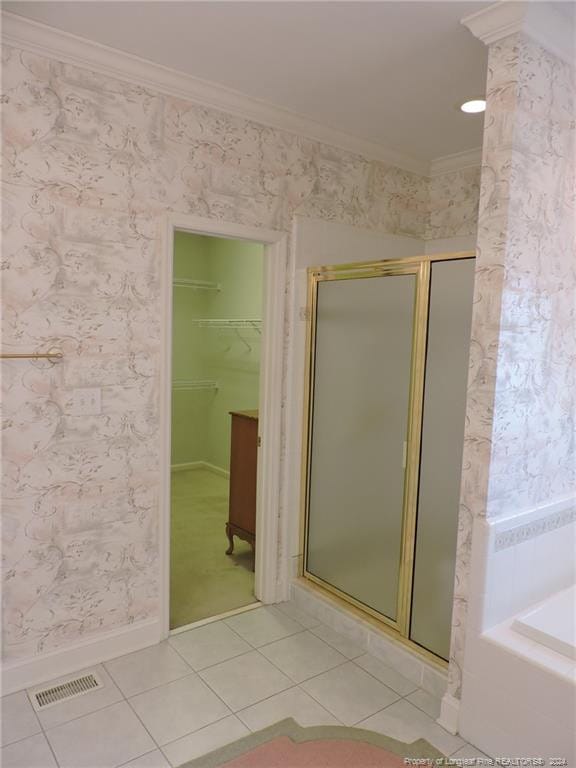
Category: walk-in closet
<point>216,335</point>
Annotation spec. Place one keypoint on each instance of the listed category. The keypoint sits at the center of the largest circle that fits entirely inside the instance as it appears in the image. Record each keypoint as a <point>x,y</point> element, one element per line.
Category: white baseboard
<point>200,465</point>
<point>449,713</point>
<point>92,650</point>
<point>187,465</point>
<point>215,469</point>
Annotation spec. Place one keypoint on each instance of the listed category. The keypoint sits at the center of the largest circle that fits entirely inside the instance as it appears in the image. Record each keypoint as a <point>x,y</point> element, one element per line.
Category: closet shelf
<point>232,323</point>
<point>194,384</point>
<point>198,285</point>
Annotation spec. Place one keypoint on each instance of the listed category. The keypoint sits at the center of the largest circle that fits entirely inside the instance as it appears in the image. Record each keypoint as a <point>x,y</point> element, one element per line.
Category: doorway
<point>270,575</point>
<point>217,300</point>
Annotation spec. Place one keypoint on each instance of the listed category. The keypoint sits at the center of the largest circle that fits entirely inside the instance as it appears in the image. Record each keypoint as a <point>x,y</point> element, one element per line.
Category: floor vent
<point>46,697</point>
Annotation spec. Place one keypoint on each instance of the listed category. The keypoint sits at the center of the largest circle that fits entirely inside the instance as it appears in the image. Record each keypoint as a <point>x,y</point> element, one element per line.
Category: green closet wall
<point>200,418</point>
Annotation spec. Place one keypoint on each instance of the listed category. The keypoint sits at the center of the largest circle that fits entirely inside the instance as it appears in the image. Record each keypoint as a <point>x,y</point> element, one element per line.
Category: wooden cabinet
<point>243,466</point>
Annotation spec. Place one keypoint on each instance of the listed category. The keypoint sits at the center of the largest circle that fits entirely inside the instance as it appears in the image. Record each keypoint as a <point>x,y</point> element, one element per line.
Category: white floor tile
<point>18,719</point>
<point>33,752</point>
<point>386,674</point>
<point>302,656</point>
<point>245,680</point>
<point>263,625</point>
<point>178,708</point>
<point>468,751</point>
<point>405,722</point>
<point>209,645</point>
<point>205,740</point>
<point>150,760</point>
<point>291,610</point>
<point>138,672</point>
<point>70,709</point>
<point>426,702</point>
<point>294,703</point>
<point>338,641</point>
<point>349,693</point>
<point>103,739</point>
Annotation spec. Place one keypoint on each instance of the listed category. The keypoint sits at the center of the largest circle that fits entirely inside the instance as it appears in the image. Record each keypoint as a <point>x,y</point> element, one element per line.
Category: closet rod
<point>228,323</point>
<point>195,384</point>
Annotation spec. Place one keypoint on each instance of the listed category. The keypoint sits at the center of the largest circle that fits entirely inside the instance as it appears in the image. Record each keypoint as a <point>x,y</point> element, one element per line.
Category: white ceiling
<point>392,73</point>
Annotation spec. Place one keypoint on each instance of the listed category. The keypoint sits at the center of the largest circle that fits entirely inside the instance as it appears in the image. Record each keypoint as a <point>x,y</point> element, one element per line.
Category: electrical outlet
<point>87,401</point>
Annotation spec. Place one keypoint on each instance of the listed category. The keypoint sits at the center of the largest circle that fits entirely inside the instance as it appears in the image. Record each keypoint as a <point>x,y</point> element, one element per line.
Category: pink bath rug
<point>288,745</point>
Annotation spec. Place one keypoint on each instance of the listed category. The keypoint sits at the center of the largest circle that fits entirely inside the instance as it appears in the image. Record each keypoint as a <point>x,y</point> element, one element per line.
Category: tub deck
<point>552,623</point>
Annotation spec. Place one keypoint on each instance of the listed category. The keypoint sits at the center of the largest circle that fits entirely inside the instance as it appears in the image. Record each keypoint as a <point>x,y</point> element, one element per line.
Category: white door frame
<point>270,399</point>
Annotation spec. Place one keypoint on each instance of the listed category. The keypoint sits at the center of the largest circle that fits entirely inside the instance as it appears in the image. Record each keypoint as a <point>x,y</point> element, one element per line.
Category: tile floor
<point>204,688</point>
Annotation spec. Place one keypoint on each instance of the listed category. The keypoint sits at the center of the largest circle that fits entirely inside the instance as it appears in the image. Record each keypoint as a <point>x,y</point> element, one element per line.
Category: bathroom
<point>116,149</point>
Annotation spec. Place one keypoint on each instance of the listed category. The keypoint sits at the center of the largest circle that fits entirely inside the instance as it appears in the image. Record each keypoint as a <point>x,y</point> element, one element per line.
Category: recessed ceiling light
<point>473,106</point>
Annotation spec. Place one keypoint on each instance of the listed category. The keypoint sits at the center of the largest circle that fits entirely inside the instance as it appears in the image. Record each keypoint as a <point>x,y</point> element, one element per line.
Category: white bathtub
<point>552,623</point>
<point>519,671</point>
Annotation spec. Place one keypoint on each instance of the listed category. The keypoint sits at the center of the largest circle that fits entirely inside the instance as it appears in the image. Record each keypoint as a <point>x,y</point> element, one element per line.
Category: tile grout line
<point>50,747</point>
<point>400,695</point>
<point>151,751</point>
<point>209,666</point>
<point>283,602</point>
<point>340,635</point>
<point>255,647</point>
<point>420,708</point>
<point>41,732</point>
<point>291,688</point>
<point>17,741</point>
<point>147,731</point>
<point>192,733</point>
<point>299,682</point>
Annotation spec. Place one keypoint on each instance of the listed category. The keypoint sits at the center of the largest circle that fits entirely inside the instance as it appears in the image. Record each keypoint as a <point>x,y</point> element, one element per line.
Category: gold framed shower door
<point>420,267</point>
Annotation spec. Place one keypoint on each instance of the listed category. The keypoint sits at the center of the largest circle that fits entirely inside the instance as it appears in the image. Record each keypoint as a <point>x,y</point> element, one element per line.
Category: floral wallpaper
<point>91,166</point>
<point>519,450</point>
<point>454,199</point>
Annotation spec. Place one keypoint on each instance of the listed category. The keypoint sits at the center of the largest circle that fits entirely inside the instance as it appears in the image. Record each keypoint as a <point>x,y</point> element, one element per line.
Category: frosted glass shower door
<point>358,431</point>
<point>448,351</point>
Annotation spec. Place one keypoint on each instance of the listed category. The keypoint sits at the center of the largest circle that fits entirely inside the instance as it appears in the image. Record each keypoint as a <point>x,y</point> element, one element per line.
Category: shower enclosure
<point>388,363</point>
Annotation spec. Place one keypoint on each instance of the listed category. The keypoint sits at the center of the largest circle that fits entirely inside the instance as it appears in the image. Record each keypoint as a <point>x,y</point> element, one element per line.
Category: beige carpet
<point>204,581</point>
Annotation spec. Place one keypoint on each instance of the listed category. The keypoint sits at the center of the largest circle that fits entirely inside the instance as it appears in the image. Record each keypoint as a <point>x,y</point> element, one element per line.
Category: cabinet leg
<point>230,540</point>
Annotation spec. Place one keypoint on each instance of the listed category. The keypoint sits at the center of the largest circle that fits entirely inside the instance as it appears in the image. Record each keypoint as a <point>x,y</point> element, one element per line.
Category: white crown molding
<point>541,21</point>
<point>48,41</point>
<point>496,22</point>
<point>471,158</point>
